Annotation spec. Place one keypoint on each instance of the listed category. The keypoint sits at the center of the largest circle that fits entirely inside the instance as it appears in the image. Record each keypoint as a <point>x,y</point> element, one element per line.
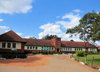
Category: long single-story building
<point>12,42</point>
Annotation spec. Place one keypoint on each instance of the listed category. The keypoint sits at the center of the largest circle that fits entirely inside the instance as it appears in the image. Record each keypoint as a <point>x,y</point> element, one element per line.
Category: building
<point>98,48</point>
<point>11,42</point>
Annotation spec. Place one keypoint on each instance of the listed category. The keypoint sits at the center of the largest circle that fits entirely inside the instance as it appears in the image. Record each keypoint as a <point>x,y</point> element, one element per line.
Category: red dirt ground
<point>36,60</point>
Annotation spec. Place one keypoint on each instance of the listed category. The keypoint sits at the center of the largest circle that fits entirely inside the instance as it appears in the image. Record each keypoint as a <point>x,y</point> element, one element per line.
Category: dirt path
<point>56,63</point>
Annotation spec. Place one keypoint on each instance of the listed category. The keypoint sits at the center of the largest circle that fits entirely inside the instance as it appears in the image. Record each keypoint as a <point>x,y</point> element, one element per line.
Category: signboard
<point>45,48</point>
<point>14,49</point>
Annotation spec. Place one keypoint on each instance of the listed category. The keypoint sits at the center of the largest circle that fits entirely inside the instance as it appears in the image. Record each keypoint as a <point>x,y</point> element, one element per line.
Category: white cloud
<point>15,6</point>
<point>1,19</point>
<point>97,43</point>
<point>58,17</point>
<point>29,37</point>
<point>77,10</point>
<point>50,29</point>
<point>3,29</point>
<point>19,33</point>
<point>72,20</point>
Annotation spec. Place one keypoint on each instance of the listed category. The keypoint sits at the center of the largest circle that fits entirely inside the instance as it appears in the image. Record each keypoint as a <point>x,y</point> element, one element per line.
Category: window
<point>33,47</point>
<point>30,47</point>
<point>75,49</point>
<point>14,45</point>
<point>57,43</point>
<point>3,45</point>
<point>27,47</point>
<point>9,45</point>
<point>36,48</point>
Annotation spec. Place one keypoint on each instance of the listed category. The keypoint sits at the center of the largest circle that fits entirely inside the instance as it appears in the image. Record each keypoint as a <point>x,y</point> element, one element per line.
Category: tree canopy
<point>49,37</point>
<point>89,27</point>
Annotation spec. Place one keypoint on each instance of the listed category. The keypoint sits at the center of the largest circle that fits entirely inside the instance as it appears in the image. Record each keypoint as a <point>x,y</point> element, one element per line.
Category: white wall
<point>38,48</point>
<point>71,49</point>
<point>92,49</point>
<point>18,45</point>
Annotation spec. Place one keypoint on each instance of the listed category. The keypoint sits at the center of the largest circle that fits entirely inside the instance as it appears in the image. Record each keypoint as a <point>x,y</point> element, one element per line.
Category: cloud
<point>58,17</point>
<point>50,29</point>
<point>76,10</point>
<point>15,6</point>
<point>97,43</point>
<point>30,37</point>
<point>69,20</point>
<point>3,29</point>
<point>72,20</point>
<point>1,19</point>
<point>19,33</point>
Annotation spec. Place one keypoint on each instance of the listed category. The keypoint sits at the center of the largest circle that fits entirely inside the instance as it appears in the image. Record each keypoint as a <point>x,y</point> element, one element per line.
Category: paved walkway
<point>57,63</point>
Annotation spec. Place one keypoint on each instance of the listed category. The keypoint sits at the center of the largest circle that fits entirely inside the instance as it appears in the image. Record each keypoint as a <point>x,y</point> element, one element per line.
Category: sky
<point>37,18</point>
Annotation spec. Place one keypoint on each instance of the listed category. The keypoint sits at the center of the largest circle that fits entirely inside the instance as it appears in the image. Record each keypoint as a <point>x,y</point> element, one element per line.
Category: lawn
<point>96,60</point>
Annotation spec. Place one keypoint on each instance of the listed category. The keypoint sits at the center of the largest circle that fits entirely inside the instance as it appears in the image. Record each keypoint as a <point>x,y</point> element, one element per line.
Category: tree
<point>89,27</point>
<point>49,37</point>
<point>32,37</point>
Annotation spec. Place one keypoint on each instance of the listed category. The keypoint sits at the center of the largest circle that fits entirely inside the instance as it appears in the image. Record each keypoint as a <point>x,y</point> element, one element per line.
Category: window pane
<point>27,47</point>
<point>3,45</point>
<point>14,45</point>
<point>9,45</point>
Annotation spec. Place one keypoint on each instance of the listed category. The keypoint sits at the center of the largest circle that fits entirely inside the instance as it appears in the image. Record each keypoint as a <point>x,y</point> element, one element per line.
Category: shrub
<point>45,53</point>
<point>35,52</point>
<point>12,55</point>
<point>95,52</point>
<point>81,53</point>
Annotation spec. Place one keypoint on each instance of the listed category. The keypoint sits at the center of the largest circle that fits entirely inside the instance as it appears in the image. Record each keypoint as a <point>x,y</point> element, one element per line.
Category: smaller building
<point>98,48</point>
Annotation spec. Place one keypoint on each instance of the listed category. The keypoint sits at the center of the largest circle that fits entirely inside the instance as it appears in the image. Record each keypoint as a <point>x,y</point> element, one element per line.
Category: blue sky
<point>40,17</point>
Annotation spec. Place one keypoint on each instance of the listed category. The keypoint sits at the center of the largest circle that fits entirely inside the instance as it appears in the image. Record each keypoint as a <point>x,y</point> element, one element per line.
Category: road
<point>57,63</point>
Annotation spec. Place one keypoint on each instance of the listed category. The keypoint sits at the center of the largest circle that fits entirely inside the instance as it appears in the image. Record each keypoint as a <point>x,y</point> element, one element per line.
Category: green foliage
<point>96,60</point>
<point>45,53</point>
<point>81,53</point>
<point>49,37</point>
<point>35,52</point>
<point>89,27</point>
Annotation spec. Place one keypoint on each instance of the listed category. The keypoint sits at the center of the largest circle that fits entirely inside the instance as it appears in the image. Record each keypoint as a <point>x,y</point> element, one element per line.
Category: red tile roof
<point>11,36</point>
<point>39,42</point>
<point>98,46</point>
<point>76,44</point>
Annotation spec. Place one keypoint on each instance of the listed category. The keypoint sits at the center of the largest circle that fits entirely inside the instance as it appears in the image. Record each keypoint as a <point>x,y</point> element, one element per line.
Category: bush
<point>12,56</point>
<point>81,53</point>
<point>45,53</point>
<point>95,52</point>
<point>35,52</point>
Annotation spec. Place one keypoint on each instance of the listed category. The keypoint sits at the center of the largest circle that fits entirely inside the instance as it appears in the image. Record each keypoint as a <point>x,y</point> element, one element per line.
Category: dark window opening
<point>27,47</point>
<point>9,45</point>
<point>36,48</point>
<point>14,45</point>
<point>30,47</point>
<point>3,45</point>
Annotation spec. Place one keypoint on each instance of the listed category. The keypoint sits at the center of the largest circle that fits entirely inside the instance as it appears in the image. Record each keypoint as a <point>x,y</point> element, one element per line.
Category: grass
<point>96,60</point>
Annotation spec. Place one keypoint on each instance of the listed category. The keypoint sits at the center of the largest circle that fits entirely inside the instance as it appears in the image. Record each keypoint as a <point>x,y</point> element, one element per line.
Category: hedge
<point>12,56</point>
<point>81,53</point>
